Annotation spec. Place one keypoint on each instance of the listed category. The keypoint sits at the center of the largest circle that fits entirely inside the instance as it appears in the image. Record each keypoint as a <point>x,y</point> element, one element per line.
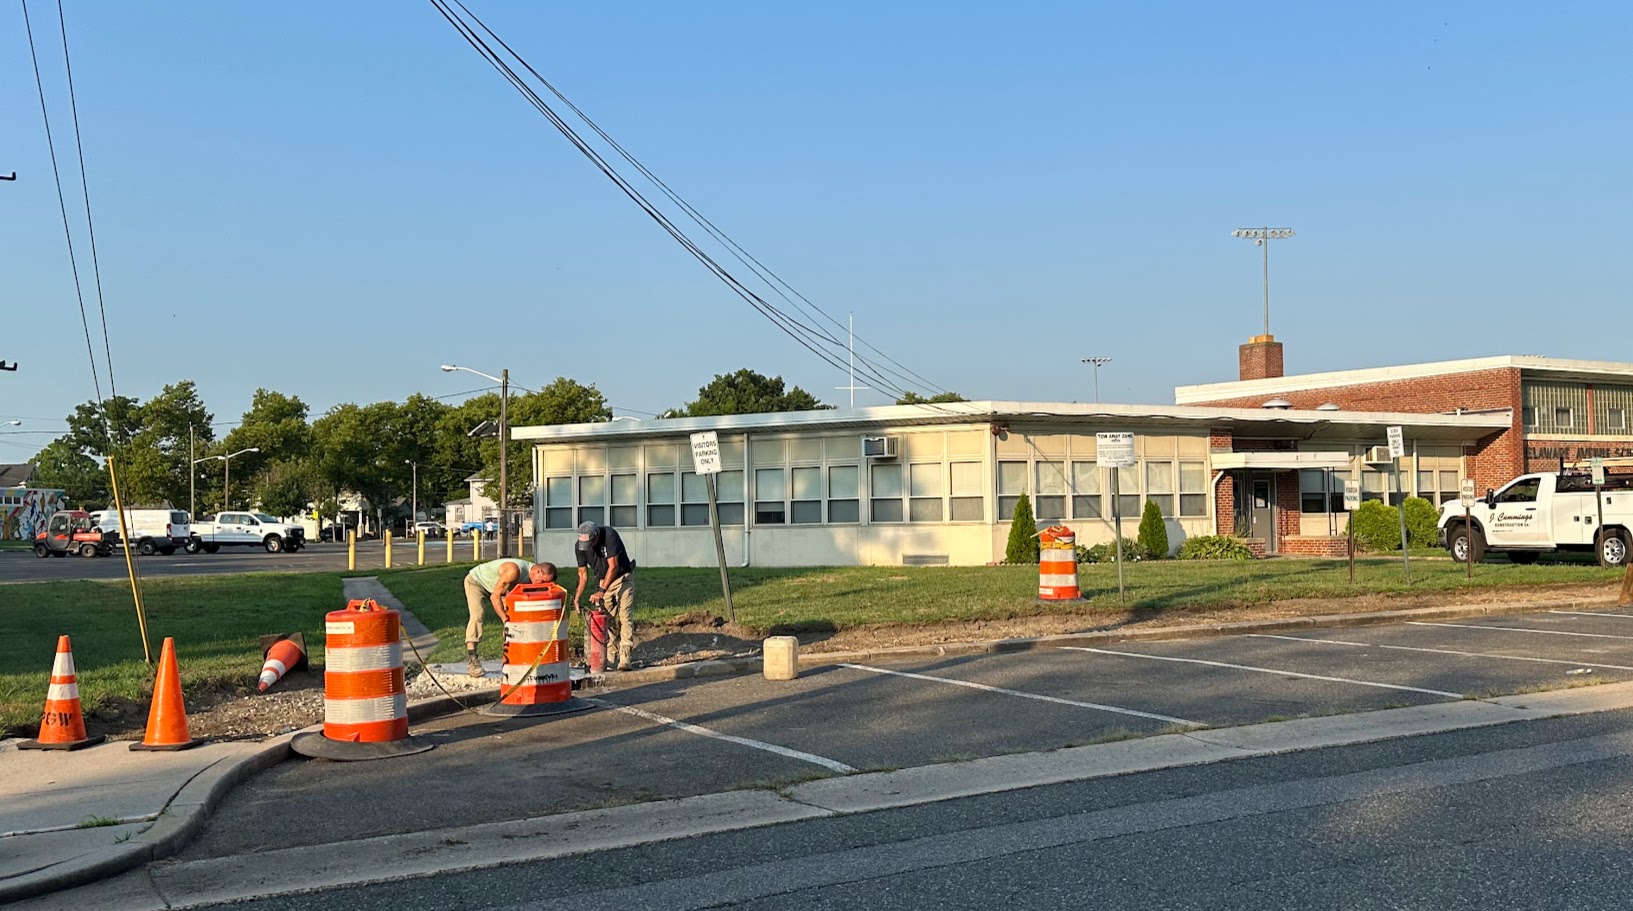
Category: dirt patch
<point>241,713</point>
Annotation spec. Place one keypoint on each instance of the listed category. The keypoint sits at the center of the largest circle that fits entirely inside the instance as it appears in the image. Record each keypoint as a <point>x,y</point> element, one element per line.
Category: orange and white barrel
<point>1057,564</point>
<point>364,699</point>
<point>535,666</point>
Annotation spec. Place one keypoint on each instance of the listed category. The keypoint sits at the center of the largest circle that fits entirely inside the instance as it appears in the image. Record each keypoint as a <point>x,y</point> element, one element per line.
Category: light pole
<point>1096,363</point>
<point>226,473</point>
<point>503,379</point>
<point>416,507</point>
<point>1263,237</point>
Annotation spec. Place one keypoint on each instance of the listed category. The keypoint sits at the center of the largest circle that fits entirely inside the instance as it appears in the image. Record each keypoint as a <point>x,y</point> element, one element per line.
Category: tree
<point>1023,534</point>
<point>1153,533</point>
<point>286,488</point>
<point>747,392</point>
<point>913,398</point>
<point>564,401</point>
<point>276,425</point>
<point>63,465</point>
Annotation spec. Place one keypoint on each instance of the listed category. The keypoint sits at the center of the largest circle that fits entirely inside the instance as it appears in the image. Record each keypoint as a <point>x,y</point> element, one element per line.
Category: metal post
<point>226,483</point>
<point>476,544</point>
<point>1352,548</point>
<point>421,533</point>
<point>504,462</point>
<point>387,535</point>
<point>1468,532</point>
<point>720,550</point>
<point>351,548</point>
<point>1400,512</point>
<point>416,506</point>
<point>1599,503</point>
<point>450,532</point>
<point>192,475</point>
<point>1117,534</point>
<point>1266,243</point>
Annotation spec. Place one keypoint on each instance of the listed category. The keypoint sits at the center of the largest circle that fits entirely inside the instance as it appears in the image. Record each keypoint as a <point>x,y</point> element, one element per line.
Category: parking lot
<point>705,735</point>
<point>23,566</point>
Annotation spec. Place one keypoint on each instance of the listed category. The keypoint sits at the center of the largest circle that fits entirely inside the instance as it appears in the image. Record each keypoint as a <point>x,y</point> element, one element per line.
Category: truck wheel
<point>87,550</point>
<point>274,544</point>
<point>211,548</point>
<point>1612,548</point>
<point>42,550</point>
<point>167,551</point>
<point>193,545</point>
<point>1466,545</point>
<point>145,548</point>
<point>1523,557</point>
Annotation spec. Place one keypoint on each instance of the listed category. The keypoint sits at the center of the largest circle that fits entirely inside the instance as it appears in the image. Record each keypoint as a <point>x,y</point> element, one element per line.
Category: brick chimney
<point>1260,358</point>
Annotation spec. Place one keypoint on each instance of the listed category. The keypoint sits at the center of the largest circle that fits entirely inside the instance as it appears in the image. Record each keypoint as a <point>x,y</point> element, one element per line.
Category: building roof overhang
<point>1531,365</point>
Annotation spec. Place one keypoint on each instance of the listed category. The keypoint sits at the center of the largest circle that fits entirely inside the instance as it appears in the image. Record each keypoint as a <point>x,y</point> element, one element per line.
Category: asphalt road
<point>1532,815</point>
<point>23,566</point>
<point>748,732</point>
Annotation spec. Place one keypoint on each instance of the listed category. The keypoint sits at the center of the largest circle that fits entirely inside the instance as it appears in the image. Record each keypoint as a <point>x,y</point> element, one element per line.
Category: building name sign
<point>1535,451</point>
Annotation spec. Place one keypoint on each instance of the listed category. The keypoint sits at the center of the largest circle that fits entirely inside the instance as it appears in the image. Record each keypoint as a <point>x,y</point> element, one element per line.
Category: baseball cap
<point>586,531</point>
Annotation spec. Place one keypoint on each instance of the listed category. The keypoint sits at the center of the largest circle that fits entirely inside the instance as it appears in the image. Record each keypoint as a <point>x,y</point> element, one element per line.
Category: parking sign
<point>1352,495</point>
<point>1466,495</point>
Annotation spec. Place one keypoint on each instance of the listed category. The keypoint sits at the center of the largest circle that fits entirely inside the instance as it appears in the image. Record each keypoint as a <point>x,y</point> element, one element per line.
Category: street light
<point>503,379</point>
<point>226,473</point>
<point>1262,237</point>
<point>1097,363</point>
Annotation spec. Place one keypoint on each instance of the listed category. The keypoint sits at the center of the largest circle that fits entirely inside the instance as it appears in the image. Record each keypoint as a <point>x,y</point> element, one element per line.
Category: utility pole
<point>504,462</point>
<point>1262,237</point>
<point>1097,363</point>
<point>851,385</point>
<point>192,474</point>
<point>8,366</point>
<point>416,466</point>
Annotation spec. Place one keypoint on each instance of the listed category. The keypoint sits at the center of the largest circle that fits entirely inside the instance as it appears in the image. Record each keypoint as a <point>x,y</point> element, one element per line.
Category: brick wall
<point>1315,546</point>
<point>1259,359</point>
<point>1224,505</point>
<point>1288,519</point>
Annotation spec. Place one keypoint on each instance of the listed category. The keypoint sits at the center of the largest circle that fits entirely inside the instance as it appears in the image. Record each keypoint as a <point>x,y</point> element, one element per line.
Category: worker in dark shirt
<point>601,550</point>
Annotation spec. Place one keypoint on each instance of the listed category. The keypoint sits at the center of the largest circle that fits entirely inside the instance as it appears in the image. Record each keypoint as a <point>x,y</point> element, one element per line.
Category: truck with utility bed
<point>245,529</point>
<point>1536,514</point>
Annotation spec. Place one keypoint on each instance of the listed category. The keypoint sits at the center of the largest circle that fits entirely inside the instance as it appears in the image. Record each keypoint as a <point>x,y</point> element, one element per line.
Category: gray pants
<point>476,604</point>
<point>619,602</point>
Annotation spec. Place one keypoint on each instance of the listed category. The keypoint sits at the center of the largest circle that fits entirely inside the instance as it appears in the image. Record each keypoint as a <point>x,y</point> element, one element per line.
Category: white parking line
<point>1583,613</point>
<point>1267,670</point>
<point>1519,629</point>
<point>1444,651</point>
<point>823,761</point>
<point>1041,698</point>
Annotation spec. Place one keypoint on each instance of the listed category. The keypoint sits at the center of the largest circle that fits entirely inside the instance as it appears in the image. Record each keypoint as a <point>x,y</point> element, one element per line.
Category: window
<point>1373,485</point>
<point>770,496</point>
<point>1128,492</point>
<point>1616,419</point>
<point>1193,489</point>
<point>1528,416</point>
<point>1563,418</point>
<point>728,492</point>
<point>1320,491</point>
<point>1438,486</point>
<point>694,498</point>
<point>924,492</point>
<point>1159,485</point>
<point>1050,503</point>
<point>885,492</point>
<point>592,499</point>
<point>1011,484</point>
<point>660,499</point>
<point>806,509</point>
<point>558,503</point>
<point>966,502</point>
<point>1521,492</point>
<point>1086,490</point>
<point>624,510</point>
<point>843,495</point>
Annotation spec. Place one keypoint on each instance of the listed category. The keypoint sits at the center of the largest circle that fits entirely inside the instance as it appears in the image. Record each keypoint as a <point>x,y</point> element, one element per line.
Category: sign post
<point>1352,502</point>
<point>1466,495</point>
<point>706,462</point>
<point>1114,451</point>
<point>1598,465</point>
<point>1397,451</point>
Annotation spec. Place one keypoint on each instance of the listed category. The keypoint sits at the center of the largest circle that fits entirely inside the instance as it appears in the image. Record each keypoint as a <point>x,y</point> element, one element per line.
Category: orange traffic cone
<point>167,719</point>
<point>282,656</point>
<point>63,727</point>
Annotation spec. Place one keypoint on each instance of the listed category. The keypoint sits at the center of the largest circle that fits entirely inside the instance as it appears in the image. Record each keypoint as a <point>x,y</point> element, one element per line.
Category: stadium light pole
<point>1262,237</point>
<point>503,379</point>
<point>1096,363</point>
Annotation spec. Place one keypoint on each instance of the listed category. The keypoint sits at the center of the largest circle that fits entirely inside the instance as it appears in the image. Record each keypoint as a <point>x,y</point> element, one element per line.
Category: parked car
<point>150,530</point>
<point>431,529</point>
<point>246,529</point>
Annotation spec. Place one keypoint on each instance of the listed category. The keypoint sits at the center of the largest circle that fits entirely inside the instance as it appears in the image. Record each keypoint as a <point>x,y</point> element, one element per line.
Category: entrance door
<point>1261,509</point>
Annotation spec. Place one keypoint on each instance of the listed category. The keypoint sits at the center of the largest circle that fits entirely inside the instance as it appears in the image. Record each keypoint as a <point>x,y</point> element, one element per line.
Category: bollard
<point>781,658</point>
<point>422,547</point>
<point>365,704</point>
<point>476,545</point>
<point>450,545</point>
<point>351,549</point>
<point>388,549</point>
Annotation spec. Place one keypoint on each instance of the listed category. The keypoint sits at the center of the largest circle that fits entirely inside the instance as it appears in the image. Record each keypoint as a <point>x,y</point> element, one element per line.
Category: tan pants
<point>620,604</point>
<point>476,604</point>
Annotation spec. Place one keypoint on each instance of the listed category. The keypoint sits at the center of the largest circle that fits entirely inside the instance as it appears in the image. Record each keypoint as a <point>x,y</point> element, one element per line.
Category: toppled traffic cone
<point>167,719</point>
<point>63,727</point>
<point>283,654</point>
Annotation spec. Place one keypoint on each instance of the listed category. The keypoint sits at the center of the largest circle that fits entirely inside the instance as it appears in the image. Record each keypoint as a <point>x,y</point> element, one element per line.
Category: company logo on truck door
<point>1514,520</point>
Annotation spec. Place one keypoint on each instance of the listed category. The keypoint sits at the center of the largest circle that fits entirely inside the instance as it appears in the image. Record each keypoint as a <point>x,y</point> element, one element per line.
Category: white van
<point>150,530</point>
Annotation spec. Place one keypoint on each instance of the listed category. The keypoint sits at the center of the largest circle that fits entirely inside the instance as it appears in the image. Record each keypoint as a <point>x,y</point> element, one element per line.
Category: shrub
<point>1153,533</point>
<point>1103,553</point>
<point>1377,527</point>
<point>1422,522</point>
<point>1214,547</point>
<point>1023,535</point>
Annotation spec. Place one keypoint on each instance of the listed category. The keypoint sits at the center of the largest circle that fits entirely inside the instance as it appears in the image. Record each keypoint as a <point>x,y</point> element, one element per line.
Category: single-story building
<point>938,484</point>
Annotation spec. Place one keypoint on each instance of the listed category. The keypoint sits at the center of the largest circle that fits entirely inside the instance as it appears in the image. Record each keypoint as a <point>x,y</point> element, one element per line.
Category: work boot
<point>473,665</point>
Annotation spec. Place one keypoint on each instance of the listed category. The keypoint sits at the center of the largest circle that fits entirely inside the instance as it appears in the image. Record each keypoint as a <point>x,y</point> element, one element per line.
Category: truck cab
<point>1543,513</point>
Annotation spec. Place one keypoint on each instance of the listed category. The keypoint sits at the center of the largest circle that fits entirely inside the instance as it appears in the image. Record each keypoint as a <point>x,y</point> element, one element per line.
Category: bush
<point>1377,527</point>
<point>1103,553</point>
<point>1214,547</point>
<point>1422,522</point>
<point>1153,532</point>
<point>1023,535</point>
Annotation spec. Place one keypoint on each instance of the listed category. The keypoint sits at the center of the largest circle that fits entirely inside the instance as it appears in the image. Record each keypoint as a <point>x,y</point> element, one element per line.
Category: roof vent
<point>1277,404</point>
<point>1327,407</point>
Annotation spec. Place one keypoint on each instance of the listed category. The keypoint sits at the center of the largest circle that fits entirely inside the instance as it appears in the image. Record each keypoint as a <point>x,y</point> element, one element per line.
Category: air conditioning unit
<point>1379,455</point>
<point>879,447</point>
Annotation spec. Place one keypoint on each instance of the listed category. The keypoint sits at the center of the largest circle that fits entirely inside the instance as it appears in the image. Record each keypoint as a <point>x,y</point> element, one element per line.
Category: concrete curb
<point>726,667</point>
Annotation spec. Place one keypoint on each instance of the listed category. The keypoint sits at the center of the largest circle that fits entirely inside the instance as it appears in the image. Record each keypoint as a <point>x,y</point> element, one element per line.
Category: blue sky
<point>332,199</point>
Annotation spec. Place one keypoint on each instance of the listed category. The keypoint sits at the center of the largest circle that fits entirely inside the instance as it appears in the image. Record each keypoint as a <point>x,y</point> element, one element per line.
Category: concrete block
<point>781,658</point>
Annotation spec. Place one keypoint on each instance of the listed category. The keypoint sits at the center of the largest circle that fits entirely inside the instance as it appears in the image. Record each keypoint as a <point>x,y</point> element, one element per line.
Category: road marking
<point>1580,613</point>
<point>744,741</point>
<point>1519,629</point>
<point>1444,651</point>
<point>1268,670</point>
<point>997,689</point>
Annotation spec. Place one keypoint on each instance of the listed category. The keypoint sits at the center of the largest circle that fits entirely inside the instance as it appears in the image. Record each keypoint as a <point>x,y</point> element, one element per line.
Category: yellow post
<point>387,534</point>
<point>351,548</point>
<point>476,544</point>
<point>450,545</point>
<point>422,546</point>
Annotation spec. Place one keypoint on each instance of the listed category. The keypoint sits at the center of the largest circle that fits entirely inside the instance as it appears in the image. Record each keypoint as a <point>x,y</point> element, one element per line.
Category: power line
<point>85,188</point>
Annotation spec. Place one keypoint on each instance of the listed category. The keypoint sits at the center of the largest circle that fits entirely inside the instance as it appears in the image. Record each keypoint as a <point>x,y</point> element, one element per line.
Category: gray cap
<point>587,530</point>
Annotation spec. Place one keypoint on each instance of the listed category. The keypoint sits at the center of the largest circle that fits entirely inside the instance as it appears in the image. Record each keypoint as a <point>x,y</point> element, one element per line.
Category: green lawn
<point>216,621</point>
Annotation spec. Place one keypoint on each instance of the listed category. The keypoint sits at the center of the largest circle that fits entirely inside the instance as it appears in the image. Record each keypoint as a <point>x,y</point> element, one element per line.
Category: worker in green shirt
<point>489,582</point>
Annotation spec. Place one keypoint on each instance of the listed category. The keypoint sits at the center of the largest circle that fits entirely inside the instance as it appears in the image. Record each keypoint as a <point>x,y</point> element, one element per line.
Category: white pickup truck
<point>1536,514</point>
<point>245,529</point>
